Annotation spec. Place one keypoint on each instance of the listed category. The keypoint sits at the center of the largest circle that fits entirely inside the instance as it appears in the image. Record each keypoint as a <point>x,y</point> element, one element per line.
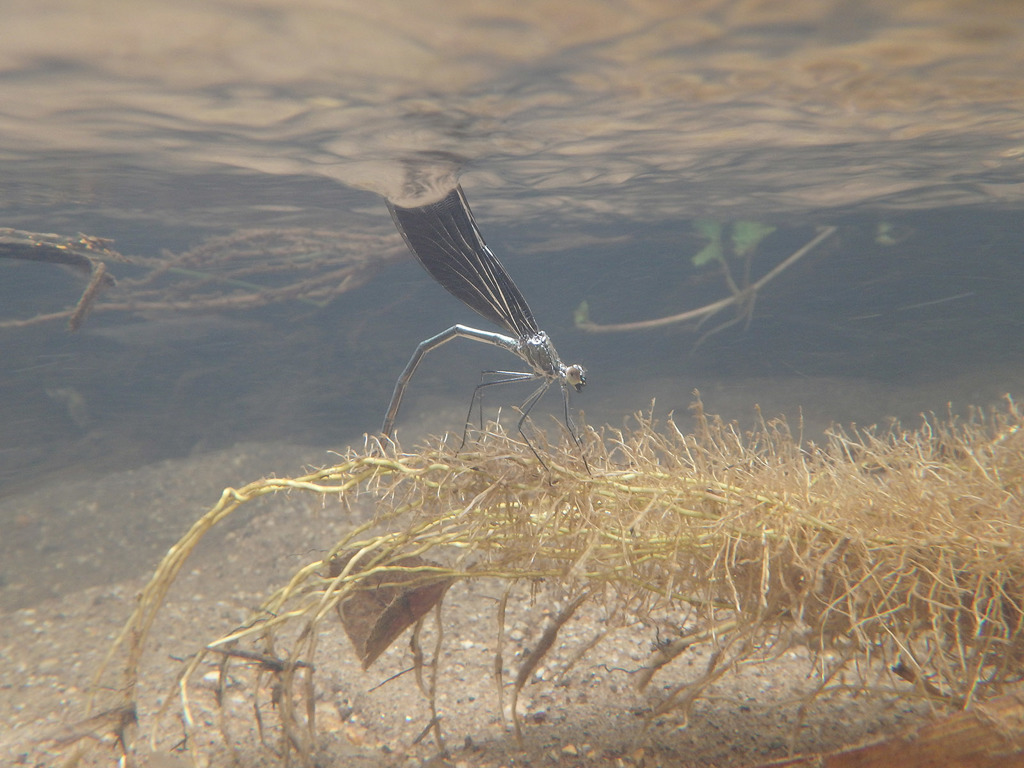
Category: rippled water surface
<point>238,154</point>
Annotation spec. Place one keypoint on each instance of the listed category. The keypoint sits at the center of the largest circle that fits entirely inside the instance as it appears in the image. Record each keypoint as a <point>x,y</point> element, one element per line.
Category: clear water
<point>589,137</point>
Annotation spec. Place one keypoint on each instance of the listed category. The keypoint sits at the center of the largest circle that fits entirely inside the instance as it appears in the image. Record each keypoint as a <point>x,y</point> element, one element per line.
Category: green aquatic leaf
<point>747,234</point>
<point>709,228</point>
<point>712,230</point>
<point>582,314</point>
<point>711,252</point>
<point>884,234</point>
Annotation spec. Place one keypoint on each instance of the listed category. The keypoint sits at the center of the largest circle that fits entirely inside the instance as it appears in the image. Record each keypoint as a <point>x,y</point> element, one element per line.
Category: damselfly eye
<point>576,376</point>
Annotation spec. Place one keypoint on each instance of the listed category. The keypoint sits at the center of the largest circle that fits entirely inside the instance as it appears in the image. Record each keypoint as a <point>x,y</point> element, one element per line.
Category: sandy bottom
<point>95,542</point>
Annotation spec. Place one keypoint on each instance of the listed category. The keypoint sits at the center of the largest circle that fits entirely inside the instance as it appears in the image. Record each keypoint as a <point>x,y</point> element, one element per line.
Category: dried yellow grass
<point>896,547</point>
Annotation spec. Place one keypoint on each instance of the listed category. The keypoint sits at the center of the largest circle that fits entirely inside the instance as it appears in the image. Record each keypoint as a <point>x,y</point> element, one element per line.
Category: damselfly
<point>445,239</point>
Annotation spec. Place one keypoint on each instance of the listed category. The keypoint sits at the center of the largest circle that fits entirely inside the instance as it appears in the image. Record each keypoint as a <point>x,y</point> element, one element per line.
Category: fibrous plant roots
<point>894,549</point>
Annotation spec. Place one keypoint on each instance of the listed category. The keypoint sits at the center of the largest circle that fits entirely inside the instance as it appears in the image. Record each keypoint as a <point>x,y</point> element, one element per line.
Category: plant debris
<point>888,554</point>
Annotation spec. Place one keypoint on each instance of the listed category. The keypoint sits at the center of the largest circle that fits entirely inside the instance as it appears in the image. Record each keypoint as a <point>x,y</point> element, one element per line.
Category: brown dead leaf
<point>386,604</point>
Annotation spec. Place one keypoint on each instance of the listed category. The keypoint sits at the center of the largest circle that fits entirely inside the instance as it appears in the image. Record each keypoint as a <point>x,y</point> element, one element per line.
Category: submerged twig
<point>80,253</point>
<point>540,650</point>
<point>742,298</point>
<point>250,268</point>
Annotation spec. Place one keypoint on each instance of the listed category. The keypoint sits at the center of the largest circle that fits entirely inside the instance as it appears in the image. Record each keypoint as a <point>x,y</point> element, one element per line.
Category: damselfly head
<point>576,377</point>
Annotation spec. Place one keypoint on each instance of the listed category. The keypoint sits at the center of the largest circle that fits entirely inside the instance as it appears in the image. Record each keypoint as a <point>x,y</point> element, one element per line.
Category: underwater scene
<point>764,501</point>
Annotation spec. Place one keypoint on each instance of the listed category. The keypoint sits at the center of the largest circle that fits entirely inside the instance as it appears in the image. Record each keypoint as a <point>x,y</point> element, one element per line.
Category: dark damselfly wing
<point>444,238</point>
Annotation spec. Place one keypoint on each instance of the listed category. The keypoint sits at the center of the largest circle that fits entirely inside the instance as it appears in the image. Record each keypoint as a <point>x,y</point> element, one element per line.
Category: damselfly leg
<point>477,400</point>
<point>514,377</point>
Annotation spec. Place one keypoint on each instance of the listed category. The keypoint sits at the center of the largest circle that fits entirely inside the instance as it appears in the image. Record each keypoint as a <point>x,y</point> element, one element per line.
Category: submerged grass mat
<point>897,550</point>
